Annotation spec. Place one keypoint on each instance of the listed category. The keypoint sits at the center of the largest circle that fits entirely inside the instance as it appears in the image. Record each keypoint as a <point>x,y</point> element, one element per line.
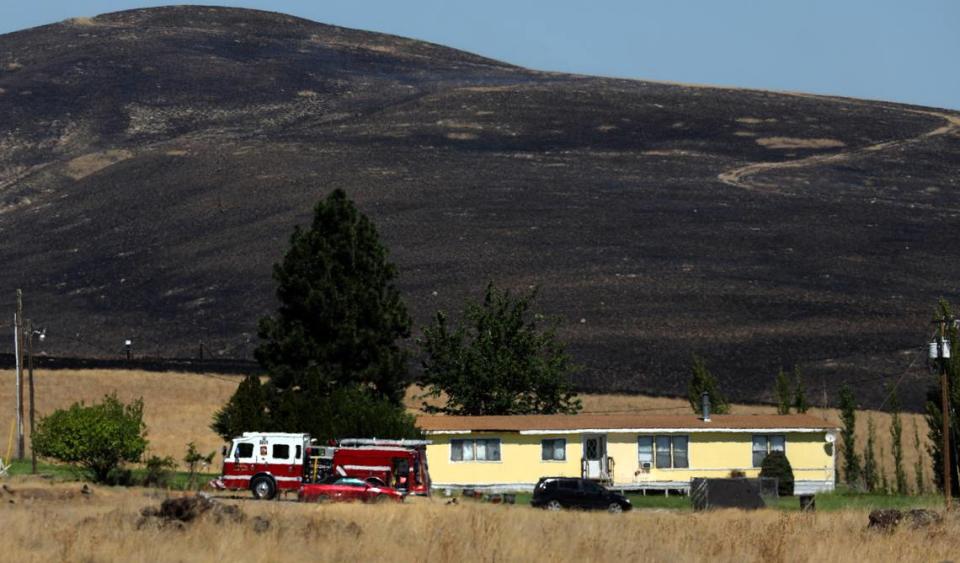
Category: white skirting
<point>799,487</point>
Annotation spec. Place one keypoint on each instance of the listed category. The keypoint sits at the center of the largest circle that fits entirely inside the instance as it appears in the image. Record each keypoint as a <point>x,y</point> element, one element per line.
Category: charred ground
<point>154,162</point>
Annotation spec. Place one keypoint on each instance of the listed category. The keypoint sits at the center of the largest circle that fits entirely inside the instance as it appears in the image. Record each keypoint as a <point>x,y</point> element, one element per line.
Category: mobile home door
<point>595,456</point>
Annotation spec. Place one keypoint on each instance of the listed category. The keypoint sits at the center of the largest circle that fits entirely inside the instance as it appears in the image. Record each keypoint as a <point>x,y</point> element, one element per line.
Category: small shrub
<point>119,477</point>
<point>737,474</point>
<point>159,471</point>
<point>193,459</point>
<point>776,465</point>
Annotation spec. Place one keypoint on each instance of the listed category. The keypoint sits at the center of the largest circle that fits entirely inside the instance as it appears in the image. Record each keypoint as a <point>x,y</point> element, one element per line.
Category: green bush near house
<point>776,465</point>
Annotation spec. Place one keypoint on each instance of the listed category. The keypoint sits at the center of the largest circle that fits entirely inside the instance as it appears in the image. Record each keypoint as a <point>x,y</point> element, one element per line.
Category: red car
<point>347,489</point>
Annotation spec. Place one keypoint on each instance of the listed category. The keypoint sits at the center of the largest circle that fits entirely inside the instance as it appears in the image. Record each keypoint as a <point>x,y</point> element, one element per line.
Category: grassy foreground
<point>103,526</point>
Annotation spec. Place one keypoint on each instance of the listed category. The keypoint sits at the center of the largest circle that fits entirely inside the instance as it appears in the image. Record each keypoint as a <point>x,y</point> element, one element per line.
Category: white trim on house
<point>670,430</point>
<point>636,431</point>
<point>800,487</point>
<point>642,430</point>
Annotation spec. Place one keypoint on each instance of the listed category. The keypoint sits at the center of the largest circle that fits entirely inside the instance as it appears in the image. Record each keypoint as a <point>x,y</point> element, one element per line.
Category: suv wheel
<point>263,488</point>
<point>615,508</point>
<point>554,505</point>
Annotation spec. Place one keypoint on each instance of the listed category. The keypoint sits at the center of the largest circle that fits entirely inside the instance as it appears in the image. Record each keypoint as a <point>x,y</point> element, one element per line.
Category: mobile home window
<point>553,450</point>
<point>763,445</point>
<point>645,450</point>
<point>671,451</point>
<point>663,452</point>
<point>680,459</point>
<point>475,450</point>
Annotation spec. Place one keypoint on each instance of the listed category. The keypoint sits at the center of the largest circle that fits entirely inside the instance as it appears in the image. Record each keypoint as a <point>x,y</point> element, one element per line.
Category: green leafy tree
<point>502,360</point>
<point>933,407</point>
<point>783,393</point>
<point>194,459</point>
<point>702,380</point>
<point>848,445</point>
<point>800,403</point>
<point>98,439</point>
<point>918,469</point>
<point>776,465</point>
<point>336,334</point>
<point>246,411</point>
<point>871,472</point>
<point>896,437</point>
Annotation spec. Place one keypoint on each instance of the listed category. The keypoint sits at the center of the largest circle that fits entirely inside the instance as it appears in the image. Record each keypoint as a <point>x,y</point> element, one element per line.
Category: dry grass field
<point>103,526</point>
<point>178,408</point>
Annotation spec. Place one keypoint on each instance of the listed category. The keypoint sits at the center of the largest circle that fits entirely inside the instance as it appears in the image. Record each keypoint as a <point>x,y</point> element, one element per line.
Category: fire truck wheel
<point>263,488</point>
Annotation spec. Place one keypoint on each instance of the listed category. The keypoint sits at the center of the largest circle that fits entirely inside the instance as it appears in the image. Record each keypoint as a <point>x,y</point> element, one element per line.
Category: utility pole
<point>18,351</point>
<point>33,452</point>
<point>945,411</point>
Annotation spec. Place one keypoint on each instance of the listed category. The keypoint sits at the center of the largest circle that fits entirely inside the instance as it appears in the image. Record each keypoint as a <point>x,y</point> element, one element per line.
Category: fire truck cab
<point>264,462</point>
<point>267,463</point>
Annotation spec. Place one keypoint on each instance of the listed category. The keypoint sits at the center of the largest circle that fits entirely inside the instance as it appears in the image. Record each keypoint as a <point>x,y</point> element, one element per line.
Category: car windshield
<point>350,482</point>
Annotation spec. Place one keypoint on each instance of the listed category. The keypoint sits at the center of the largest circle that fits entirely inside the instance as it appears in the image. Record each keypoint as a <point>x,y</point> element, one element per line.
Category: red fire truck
<point>270,462</point>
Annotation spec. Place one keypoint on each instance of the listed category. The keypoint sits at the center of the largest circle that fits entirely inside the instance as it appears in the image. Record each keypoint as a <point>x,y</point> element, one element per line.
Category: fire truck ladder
<point>354,442</point>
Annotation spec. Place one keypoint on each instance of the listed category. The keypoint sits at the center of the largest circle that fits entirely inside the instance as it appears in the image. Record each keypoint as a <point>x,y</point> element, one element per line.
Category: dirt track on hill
<point>739,177</point>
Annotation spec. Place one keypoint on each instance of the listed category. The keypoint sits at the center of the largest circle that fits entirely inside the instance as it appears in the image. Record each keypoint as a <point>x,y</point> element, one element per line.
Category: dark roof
<point>518,423</point>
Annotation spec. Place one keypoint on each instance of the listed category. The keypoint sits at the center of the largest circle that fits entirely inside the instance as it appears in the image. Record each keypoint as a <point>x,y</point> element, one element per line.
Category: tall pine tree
<point>800,403</point>
<point>884,485</point>
<point>702,380</point>
<point>332,350</point>
<point>871,471</point>
<point>340,318</point>
<point>848,445</point>
<point>896,438</point>
<point>246,411</point>
<point>918,469</point>
<point>782,393</point>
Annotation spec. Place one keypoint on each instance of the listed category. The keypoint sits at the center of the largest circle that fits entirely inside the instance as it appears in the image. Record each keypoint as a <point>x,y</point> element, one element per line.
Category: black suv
<point>554,493</point>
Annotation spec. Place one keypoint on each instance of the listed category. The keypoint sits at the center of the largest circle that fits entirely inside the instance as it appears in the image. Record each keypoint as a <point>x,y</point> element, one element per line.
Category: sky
<point>899,50</point>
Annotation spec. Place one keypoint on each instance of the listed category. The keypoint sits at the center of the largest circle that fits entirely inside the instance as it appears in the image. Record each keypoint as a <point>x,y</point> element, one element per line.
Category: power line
<point>893,389</point>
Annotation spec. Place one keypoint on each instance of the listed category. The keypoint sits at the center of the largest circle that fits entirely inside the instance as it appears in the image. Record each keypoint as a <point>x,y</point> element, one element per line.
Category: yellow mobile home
<point>634,452</point>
